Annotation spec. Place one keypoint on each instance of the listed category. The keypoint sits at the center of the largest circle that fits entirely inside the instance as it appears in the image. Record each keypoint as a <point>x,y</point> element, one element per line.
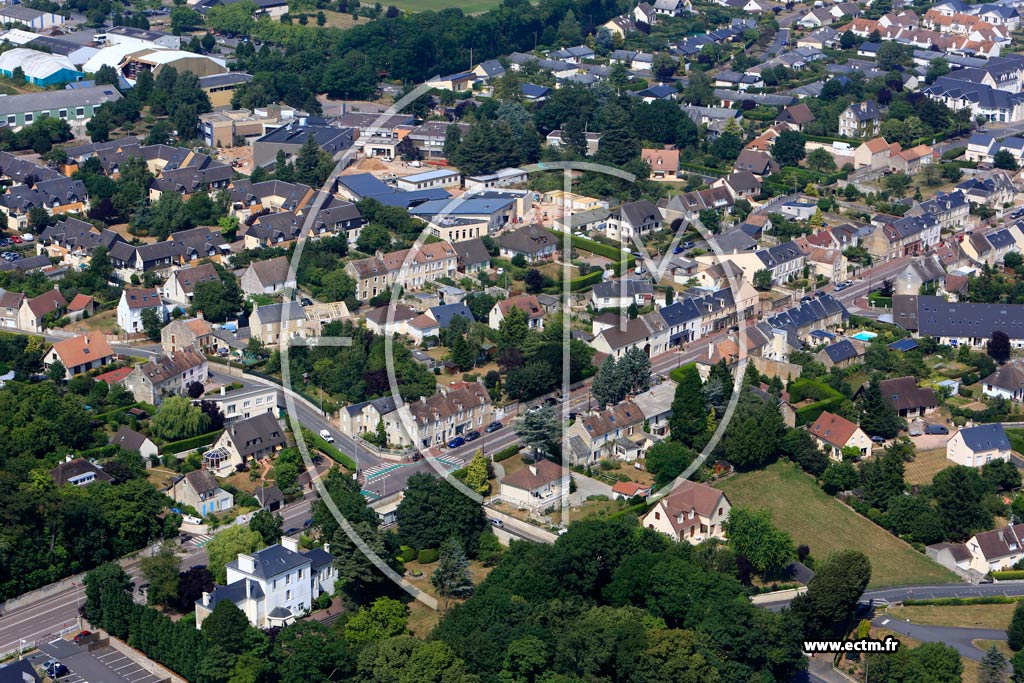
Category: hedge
<point>588,280</point>
<point>427,556</point>
<point>191,444</point>
<point>1009,575</point>
<point>803,388</point>
<point>808,414</point>
<point>705,170</point>
<point>676,374</point>
<point>505,453</point>
<point>328,450</point>
<point>981,600</point>
<point>407,554</point>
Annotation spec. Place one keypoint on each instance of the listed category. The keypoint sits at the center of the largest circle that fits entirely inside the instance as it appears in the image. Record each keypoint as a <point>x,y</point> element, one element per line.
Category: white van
<point>326,436</point>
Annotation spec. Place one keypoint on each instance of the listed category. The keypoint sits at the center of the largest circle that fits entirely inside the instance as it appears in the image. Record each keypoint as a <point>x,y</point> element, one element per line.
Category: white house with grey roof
<point>638,218</point>
<point>970,324</point>
<point>621,293</point>
<point>274,586</point>
<point>76,106</point>
<point>976,446</point>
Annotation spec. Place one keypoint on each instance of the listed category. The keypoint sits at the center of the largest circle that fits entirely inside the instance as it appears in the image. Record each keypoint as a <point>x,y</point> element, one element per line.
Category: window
<point>79,112</point>
<point>63,113</point>
<point>657,515</point>
<point>28,118</point>
<point>287,595</point>
<point>12,120</point>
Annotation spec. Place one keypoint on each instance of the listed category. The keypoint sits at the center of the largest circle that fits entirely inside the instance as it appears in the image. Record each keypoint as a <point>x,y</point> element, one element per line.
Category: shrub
<point>506,453</point>
<point>965,392</point>
<point>677,374</point>
<point>981,600</point>
<point>429,556</point>
<point>407,554</point>
<point>1009,575</point>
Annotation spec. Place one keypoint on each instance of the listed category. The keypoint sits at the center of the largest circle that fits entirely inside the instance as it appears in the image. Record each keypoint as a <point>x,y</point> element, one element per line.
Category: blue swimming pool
<point>864,336</point>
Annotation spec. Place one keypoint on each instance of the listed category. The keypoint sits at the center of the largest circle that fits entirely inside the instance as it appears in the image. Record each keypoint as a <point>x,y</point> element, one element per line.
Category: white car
<point>326,436</point>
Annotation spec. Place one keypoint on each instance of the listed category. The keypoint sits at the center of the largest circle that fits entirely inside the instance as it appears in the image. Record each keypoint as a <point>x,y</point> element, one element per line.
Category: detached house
<point>996,550</point>
<point>537,486</point>
<point>527,303</point>
<point>195,334</point>
<point>253,438</point>
<point>633,219</point>
<point>976,446</point>
<point>77,472</point>
<point>199,490</point>
<point>860,120</point>
<point>33,312</point>
<point>531,242</point>
<point>692,512</point>
<point>1006,382</point>
<point>167,375</point>
<point>267,277</point>
<point>606,434</point>
<point>181,285</point>
<point>834,433</point>
<point>133,302</point>
<point>80,354</point>
<point>906,398</point>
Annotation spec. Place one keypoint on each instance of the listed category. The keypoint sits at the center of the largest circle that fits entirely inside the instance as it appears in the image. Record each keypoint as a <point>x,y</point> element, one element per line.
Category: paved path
<point>956,637</point>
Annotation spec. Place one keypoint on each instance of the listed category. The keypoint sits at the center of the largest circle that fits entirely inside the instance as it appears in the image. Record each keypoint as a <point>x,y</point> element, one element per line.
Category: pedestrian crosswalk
<point>199,540</point>
<point>449,461</point>
<point>378,471</point>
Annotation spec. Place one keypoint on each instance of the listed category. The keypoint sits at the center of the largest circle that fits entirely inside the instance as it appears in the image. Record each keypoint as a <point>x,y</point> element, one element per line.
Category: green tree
<point>476,473</point>
<point>663,67</point>
<point>538,430</point>
<point>337,286</point>
<point>699,91</point>
<point>619,144</point>
<point>462,353</point>
<point>513,329</point>
<point>688,423</point>
<point>847,40</point>
<point>937,68</point>
<point>451,578</point>
<point>226,546</point>
<point>433,511</point>
<point>1004,160</point>
<point>877,417</point>
<point>754,436</point>
<point>108,578</point>
<point>897,183</point>
<point>666,460</point>
<point>184,19</point>
<point>891,55</point>
<point>268,525</point>
<point>177,419</point>
<point>993,666</point>
<point>373,238</point>
<point>821,161</point>
<point>832,594</point>
<point>227,626</point>
<point>763,280</point>
<point>788,148</point>
<point>152,323</point>
<point>161,572</point>
<point>1015,632</point>
<point>607,387</point>
<point>56,371</point>
<point>574,137</point>
<point>958,492</point>
<point>385,618</point>
<point>752,534</point>
<point>998,347</point>
<point>569,30</point>
<point>452,140</point>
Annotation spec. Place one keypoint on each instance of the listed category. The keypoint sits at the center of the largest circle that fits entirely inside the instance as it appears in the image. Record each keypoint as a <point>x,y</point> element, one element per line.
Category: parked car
<point>307,523</point>
<point>472,436</point>
<point>326,436</point>
<point>679,250</point>
<point>533,409</point>
<point>936,429</point>
<point>877,439</point>
<point>806,299</point>
<point>81,636</point>
<point>493,427</point>
<point>456,442</point>
<point>498,523</point>
<point>290,531</point>
<point>417,456</point>
<point>306,301</point>
<point>549,401</point>
<point>54,669</point>
<point>688,245</point>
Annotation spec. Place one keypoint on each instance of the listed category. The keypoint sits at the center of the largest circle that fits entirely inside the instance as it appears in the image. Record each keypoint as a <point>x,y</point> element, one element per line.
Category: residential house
<point>758,163</point>
<point>35,311</point>
<point>621,293</point>
<point>649,333</point>
<point>457,409</point>
<point>531,241</point>
<point>287,319</point>
<point>1006,382</point>
<point>242,404</point>
<point>994,190</point>
<point>167,375</point>
<point>181,285</point>
<point>976,446</point>
<point>267,277</point>
<point>80,307</point>
<point>537,486</point>
<point>196,334</point>
<point>77,472</point>
<point>628,490</point>
<point>614,433</point>
<point>691,512</point>
<point>80,354</point>
<point>996,550</point>
<point>362,418</point>
<point>10,304</point>
<point>911,161</point>
<point>275,586</point>
<point>255,438</point>
<point>134,301</point>
<point>924,272</point>
<point>527,303</point>
<point>269,498</point>
<point>379,273</point>
<point>472,256</point>
<point>199,490</point>
<point>909,400</point>
<point>656,406</point>
<point>664,163</point>
<point>633,219</point>
<point>133,441</point>
<point>874,154</point>
<point>970,324</point>
<point>833,434</point>
<point>893,237</point>
<point>860,120</point>
<point>840,354</point>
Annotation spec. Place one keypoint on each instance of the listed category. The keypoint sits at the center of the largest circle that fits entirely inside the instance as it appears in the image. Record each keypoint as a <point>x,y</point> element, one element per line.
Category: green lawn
<point>467,6</point>
<point>816,519</point>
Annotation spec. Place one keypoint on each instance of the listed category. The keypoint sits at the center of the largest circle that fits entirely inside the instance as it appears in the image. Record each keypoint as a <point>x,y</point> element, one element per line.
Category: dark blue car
<point>456,442</point>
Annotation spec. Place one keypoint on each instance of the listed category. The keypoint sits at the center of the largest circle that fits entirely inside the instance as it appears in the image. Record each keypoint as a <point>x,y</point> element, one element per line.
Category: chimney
<point>223,390</point>
<point>290,543</point>
<point>248,588</point>
<point>327,547</point>
<point>533,470</point>
<point>246,563</point>
<point>206,599</point>
<point>199,315</point>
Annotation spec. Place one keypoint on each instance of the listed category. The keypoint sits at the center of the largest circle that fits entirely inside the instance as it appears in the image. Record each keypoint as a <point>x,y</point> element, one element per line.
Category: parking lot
<point>104,665</point>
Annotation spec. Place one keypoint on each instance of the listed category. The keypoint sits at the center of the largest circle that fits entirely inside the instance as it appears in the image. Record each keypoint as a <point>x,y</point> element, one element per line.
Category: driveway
<point>585,487</point>
<point>958,638</point>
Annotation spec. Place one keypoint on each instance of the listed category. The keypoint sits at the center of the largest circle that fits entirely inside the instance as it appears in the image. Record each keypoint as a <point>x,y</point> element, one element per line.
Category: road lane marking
<point>885,622</point>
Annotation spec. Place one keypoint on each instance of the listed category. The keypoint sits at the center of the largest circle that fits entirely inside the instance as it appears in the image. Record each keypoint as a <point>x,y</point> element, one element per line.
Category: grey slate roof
<point>272,561</point>
<point>939,318</point>
<point>444,314</point>
<point>617,288</point>
<point>986,437</point>
<point>841,351</point>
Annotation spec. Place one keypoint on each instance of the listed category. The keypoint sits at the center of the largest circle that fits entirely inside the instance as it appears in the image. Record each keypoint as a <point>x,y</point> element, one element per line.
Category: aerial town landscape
<point>498,341</point>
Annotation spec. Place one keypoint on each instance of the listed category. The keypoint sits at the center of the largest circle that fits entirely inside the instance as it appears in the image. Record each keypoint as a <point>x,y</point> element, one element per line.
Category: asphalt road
<point>958,638</point>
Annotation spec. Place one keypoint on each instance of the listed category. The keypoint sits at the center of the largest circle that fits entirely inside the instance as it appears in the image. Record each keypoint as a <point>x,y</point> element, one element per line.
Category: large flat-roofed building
<point>220,88</point>
<point>291,136</point>
<point>129,35</point>
<point>155,59</point>
<point>76,106</point>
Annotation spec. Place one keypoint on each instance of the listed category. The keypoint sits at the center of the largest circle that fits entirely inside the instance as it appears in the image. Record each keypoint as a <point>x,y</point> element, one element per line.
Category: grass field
<point>926,465</point>
<point>966,616</point>
<point>467,6</point>
<point>814,518</point>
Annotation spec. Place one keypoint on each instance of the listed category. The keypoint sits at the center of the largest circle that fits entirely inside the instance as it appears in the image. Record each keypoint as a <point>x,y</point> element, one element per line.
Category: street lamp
<point>21,649</point>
